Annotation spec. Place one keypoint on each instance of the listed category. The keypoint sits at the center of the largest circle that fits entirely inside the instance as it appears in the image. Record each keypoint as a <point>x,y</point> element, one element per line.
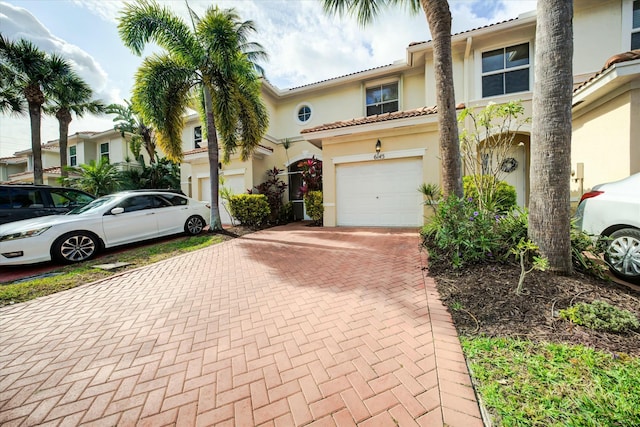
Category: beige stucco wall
<point>600,141</point>
<point>597,35</point>
<point>415,137</point>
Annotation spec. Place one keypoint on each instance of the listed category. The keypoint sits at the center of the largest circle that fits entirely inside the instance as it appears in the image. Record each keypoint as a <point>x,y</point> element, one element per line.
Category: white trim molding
<point>399,154</point>
<point>228,172</point>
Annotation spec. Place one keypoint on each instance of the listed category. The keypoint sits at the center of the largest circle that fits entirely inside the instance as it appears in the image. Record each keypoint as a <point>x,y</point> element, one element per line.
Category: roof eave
<point>606,82</point>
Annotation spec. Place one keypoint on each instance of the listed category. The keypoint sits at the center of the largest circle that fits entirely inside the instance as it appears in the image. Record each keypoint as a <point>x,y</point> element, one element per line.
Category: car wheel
<point>194,225</point>
<point>623,253</point>
<point>73,247</point>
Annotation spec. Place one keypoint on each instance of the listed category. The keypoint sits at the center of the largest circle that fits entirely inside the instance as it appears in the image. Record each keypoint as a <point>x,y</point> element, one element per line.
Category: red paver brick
<point>237,333</point>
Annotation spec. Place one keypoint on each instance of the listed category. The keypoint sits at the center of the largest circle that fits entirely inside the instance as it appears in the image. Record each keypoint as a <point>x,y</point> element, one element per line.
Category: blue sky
<point>304,44</point>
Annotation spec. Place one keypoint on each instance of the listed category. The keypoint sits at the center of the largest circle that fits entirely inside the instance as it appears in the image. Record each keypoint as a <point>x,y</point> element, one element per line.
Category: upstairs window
<point>635,26</point>
<point>382,99</point>
<point>73,158</point>
<point>304,113</point>
<point>104,151</point>
<point>197,136</point>
<point>505,70</point>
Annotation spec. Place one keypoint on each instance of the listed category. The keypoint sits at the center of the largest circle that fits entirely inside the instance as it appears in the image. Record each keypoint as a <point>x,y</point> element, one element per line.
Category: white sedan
<point>612,212</point>
<point>112,220</point>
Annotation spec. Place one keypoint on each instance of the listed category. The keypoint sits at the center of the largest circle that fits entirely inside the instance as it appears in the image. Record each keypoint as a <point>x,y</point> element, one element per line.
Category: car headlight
<point>24,234</point>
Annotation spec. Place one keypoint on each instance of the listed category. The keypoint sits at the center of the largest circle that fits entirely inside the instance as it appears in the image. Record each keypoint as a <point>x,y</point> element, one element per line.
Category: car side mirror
<point>117,211</point>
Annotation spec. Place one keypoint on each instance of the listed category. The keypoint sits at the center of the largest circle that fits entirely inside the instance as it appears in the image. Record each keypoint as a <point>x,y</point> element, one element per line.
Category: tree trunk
<point>549,210</point>
<point>214,158</point>
<point>439,20</point>
<point>64,118</point>
<point>35,117</point>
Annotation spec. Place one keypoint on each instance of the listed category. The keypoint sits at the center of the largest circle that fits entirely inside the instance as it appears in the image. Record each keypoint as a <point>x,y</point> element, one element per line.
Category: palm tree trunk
<point>64,119</point>
<point>214,158</point>
<point>439,20</point>
<point>549,210</point>
<point>35,118</point>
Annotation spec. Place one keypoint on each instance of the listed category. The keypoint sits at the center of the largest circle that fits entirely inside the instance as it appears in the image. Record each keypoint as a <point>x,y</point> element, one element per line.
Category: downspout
<point>467,76</point>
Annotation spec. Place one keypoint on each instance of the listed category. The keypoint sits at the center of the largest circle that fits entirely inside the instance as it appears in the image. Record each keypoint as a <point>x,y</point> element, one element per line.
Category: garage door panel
<point>381,193</point>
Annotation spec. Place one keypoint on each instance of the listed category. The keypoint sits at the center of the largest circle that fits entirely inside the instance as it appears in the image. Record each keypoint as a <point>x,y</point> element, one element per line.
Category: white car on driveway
<point>612,212</point>
<point>112,220</point>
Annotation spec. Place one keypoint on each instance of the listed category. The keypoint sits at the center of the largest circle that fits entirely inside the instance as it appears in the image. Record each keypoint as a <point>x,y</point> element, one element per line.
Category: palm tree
<point>549,203</point>
<point>69,94</point>
<point>32,73</point>
<point>439,21</point>
<point>11,100</point>
<point>127,120</point>
<point>214,60</point>
<point>96,178</point>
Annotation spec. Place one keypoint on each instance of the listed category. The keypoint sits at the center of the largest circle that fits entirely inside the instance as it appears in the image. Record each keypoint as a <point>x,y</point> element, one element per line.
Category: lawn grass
<point>528,384</point>
<point>70,276</point>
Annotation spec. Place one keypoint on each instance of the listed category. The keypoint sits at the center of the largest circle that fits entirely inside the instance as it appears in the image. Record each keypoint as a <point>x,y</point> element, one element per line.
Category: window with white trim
<point>635,26</point>
<point>73,157</point>
<point>505,70</point>
<point>197,136</point>
<point>304,113</point>
<point>104,151</point>
<point>382,99</point>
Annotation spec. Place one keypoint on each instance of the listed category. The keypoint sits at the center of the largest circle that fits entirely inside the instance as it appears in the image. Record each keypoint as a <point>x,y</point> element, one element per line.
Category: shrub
<point>286,213</point>
<point>251,210</point>
<point>585,254</point>
<point>273,188</point>
<point>496,196</point>
<point>313,205</point>
<point>601,316</point>
<point>461,232</point>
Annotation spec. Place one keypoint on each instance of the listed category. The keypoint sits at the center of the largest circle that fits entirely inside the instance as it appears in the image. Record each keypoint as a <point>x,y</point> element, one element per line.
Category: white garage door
<point>234,182</point>
<point>379,193</point>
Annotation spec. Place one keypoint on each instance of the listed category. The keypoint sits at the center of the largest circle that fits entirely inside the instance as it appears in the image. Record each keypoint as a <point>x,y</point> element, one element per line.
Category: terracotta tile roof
<point>204,150</point>
<point>195,151</point>
<point>423,111</point>
<point>469,31</point>
<point>23,159</point>
<point>340,77</point>
<point>631,55</point>
<point>53,171</point>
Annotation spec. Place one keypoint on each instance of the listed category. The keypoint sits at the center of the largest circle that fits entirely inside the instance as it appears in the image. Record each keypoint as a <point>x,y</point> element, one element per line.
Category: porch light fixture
<point>378,155</point>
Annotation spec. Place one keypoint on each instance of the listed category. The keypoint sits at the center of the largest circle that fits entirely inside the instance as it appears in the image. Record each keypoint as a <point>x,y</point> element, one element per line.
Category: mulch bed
<point>487,305</point>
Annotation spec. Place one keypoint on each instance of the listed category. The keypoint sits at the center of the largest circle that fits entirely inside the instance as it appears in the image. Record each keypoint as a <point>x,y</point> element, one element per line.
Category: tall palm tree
<point>439,21</point>
<point>32,72</point>
<point>213,59</point>
<point>549,203</point>
<point>127,120</point>
<point>69,94</point>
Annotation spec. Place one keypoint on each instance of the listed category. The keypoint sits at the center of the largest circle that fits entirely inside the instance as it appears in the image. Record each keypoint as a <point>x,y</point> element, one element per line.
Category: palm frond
<point>163,88</point>
<point>145,21</point>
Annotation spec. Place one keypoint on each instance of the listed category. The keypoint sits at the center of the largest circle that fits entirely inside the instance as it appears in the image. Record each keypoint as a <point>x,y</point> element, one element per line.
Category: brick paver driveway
<point>288,326</point>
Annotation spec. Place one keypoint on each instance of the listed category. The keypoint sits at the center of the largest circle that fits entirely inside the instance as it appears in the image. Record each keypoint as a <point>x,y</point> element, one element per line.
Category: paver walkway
<point>289,326</point>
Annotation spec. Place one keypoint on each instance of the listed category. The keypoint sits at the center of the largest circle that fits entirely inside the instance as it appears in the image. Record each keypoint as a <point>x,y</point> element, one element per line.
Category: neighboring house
<point>377,132</point>
<point>82,148</point>
<point>50,165</point>
<point>11,166</point>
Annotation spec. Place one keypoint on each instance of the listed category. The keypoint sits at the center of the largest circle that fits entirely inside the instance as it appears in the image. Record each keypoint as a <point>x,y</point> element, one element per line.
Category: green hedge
<point>313,205</point>
<point>250,209</point>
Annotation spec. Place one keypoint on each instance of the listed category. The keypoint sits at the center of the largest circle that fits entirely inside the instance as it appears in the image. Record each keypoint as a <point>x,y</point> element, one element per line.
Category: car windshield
<point>96,204</point>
